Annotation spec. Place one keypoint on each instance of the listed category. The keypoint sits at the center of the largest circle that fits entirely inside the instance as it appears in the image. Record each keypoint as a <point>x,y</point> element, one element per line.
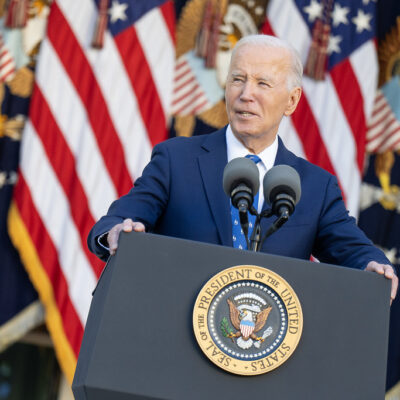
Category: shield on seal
<point>246,328</point>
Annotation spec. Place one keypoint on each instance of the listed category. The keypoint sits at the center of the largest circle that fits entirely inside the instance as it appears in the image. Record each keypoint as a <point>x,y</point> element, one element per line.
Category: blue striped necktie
<point>239,241</point>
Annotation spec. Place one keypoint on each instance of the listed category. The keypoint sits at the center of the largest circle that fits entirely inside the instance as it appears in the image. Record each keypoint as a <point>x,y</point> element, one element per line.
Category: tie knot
<point>254,158</point>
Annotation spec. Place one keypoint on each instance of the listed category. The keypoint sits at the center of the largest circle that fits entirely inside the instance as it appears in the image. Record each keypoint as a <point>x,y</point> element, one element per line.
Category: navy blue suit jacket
<point>180,194</point>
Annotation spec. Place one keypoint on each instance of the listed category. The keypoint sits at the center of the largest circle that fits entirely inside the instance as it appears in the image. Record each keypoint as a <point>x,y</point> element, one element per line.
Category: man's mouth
<point>245,113</point>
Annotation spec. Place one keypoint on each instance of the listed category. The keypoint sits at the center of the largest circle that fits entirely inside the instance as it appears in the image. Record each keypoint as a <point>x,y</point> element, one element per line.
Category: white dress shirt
<point>237,149</point>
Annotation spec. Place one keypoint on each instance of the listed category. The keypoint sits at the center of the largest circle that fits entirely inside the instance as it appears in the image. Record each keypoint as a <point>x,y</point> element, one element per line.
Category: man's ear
<point>294,98</point>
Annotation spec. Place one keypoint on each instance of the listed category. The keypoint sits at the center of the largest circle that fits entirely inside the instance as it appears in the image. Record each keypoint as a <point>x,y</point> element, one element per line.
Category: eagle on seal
<point>243,321</point>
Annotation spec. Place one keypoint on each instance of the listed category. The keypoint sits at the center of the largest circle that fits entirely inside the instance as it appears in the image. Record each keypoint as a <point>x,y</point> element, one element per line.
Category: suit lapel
<point>212,163</point>
<point>283,157</point>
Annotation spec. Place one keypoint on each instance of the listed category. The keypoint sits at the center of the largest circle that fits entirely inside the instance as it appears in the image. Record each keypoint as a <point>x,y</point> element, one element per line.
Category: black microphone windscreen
<point>282,179</point>
<point>241,171</point>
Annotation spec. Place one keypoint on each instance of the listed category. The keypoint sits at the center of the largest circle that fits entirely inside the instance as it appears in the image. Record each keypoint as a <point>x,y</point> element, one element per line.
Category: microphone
<point>282,189</point>
<point>241,184</point>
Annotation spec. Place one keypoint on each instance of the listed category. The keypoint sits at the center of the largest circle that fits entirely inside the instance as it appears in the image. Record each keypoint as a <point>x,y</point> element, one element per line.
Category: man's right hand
<point>127,226</point>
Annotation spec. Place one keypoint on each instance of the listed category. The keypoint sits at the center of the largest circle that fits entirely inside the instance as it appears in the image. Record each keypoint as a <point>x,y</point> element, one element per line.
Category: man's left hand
<point>388,272</point>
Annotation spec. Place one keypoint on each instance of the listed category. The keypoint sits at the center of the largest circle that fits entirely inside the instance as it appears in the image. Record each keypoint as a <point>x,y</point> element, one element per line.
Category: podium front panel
<point>139,341</point>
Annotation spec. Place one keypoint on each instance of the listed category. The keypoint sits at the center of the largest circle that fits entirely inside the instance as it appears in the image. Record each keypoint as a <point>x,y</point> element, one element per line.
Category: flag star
<point>362,21</point>
<point>235,221</point>
<point>234,238</point>
<point>333,45</point>
<point>339,15</point>
<point>240,247</point>
<point>314,10</point>
<point>366,2</point>
<point>117,11</point>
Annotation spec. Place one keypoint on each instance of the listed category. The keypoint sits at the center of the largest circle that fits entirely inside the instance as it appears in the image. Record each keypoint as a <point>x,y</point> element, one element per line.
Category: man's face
<point>257,96</point>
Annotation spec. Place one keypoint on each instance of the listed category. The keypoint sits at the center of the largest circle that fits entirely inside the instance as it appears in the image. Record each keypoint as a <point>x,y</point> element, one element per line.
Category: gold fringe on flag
<point>101,25</point>
<point>40,280</point>
<point>16,15</point>
<point>317,59</point>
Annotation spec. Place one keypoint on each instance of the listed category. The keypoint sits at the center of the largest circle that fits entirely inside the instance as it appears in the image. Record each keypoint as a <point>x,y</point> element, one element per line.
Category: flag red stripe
<point>181,64</point>
<point>380,147</point>
<point>63,164</point>
<point>168,12</point>
<point>190,80</point>
<point>5,63</point>
<point>49,258</point>
<point>182,74</point>
<point>190,103</point>
<point>387,131</point>
<point>142,82</point>
<point>350,96</point>
<point>189,94</point>
<point>379,109</point>
<point>73,58</point>
<point>199,107</point>
<point>5,76</point>
<point>383,129</point>
<point>308,131</point>
<point>381,120</point>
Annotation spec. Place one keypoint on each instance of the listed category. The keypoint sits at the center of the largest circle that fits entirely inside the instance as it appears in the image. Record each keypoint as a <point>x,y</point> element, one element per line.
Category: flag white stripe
<point>187,98</point>
<point>366,73</point>
<point>283,16</point>
<point>56,87</point>
<point>189,104</point>
<point>185,90</point>
<point>383,128</point>
<point>379,118</point>
<point>392,139</point>
<point>159,49</point>
<point>337,136</point>
<point>54,210</point>
<point>182,73</point>
<point>290,137</point>
<point>112,78</point>
<point>378,142</point>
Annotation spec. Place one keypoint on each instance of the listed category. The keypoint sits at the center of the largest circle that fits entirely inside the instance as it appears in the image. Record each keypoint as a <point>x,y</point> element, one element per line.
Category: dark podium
<point>139,341</point>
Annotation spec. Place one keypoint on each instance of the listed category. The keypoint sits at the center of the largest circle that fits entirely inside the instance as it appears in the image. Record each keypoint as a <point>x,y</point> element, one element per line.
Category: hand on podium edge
<point>127,226</point>
<point>388,272</point>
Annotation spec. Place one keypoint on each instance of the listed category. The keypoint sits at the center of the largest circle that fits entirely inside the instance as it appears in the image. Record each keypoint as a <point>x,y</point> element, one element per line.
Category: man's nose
<point>247,92</point>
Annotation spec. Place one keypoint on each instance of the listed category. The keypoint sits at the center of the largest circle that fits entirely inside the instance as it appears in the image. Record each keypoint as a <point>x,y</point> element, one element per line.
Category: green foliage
<point>225,328</point>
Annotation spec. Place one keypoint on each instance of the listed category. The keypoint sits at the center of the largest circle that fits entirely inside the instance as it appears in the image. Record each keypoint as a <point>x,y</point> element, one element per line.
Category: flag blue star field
<point>329,126</point>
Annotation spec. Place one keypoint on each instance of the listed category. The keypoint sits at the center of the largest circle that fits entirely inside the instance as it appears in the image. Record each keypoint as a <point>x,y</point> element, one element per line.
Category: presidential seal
<point>247,320</point>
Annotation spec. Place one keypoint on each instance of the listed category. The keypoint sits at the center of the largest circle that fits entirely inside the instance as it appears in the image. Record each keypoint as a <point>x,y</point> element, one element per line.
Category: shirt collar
<point>236,149</point>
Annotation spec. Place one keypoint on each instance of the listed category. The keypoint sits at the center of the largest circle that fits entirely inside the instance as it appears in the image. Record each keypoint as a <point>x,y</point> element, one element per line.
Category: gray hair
<point>266,41</point>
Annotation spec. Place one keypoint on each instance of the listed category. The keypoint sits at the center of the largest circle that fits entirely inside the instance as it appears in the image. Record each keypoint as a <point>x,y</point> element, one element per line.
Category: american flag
<point>330,123</point>
<point>96,113</point>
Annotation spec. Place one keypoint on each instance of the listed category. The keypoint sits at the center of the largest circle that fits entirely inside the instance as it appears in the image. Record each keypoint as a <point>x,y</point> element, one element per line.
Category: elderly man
<point>180,193</point>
